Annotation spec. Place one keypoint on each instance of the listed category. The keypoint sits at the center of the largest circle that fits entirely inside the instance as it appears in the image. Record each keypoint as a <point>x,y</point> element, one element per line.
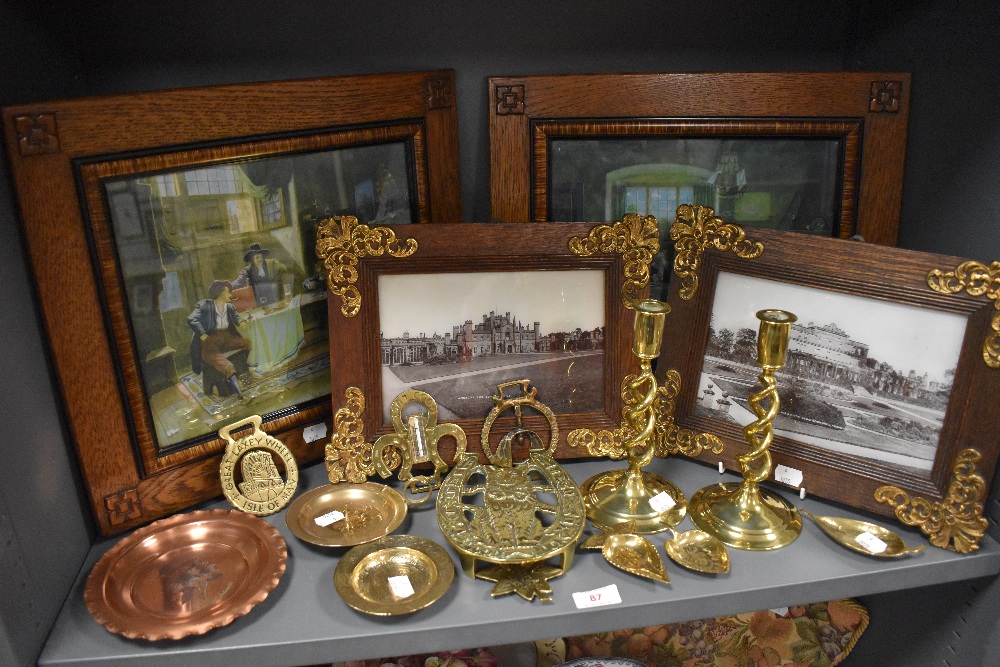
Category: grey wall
<point>56,50</point>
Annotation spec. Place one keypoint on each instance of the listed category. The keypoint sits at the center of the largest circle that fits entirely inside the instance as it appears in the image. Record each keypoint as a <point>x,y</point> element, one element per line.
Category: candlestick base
<point>745,516</point>
<point>617,496</point>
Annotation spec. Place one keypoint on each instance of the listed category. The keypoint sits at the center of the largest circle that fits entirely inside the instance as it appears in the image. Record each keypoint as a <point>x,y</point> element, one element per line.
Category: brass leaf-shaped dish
<point>847,532</point>
<point>697,550</point>
<point>635,554</point>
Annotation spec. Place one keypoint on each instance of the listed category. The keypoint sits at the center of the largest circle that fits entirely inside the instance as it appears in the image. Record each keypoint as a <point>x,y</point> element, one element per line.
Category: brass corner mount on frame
<point>957,518</point>
<point>976,279</point>
<point>636,238</point>
<point>341,241</point>
<point>348,456</point>
<point>695,229</point>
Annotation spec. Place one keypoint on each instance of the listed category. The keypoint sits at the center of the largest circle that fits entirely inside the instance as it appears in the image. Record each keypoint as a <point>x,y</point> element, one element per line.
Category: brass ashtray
<point>395,575</point>
<point>186,574</point>
<point>345,515</point>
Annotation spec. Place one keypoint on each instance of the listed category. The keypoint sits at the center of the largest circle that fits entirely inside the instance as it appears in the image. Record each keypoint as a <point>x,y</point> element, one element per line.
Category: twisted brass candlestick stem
<point>619,496</point>
<point>741,514</point>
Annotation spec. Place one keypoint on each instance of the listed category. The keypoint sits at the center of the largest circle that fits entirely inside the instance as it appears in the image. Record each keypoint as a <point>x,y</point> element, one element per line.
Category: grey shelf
<point>304,621</point>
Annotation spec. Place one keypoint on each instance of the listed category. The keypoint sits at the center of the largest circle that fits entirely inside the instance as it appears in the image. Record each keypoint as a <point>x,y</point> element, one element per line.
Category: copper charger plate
<point>370,511</point>
<point>363,577</point>
<point>186,574</point>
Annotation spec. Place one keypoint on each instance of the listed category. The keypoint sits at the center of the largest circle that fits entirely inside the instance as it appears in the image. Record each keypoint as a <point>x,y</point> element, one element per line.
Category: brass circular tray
<point>362,575</point>
<point>371,510</point>
<point>186,574</point>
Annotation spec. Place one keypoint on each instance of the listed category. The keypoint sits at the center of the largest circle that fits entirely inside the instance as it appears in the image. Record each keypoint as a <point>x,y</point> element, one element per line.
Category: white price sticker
<point>325,520</point>
<point>870,542</point>
<point>789,476</point>
<point>597,597</point>
<point>662,502</point>
<point>401,586</point>
<point>314,432</point>
<point>780,611</point>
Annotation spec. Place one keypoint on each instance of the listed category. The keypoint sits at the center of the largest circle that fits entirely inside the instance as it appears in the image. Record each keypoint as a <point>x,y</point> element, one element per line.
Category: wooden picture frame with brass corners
<point>890,387</point>
<point>138,208</point>
<point>455,310</point>
<point>812,151</point>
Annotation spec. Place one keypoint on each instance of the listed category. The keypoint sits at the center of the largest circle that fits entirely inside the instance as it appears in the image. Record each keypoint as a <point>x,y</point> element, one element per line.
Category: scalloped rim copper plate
<point>362,575</point>
<point>371,510</point>
<point>186,575</point>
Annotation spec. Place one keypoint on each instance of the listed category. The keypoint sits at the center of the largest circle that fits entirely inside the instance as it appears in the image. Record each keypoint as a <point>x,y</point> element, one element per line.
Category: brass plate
<point>186,575</point>
<point>362,575</point>
<point>371,511</point>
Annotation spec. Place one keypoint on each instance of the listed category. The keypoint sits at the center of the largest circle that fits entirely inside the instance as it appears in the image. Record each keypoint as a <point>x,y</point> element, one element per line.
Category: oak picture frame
<point>866,111</point>
<point>358,257</point>
<point>864,291</point>
<point>66,156</point>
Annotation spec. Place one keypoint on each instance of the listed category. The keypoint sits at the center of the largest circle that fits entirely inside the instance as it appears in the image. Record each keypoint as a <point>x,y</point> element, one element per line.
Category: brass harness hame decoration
<point>340,241</point>
<point>635,238</point>
<point>695,229</point>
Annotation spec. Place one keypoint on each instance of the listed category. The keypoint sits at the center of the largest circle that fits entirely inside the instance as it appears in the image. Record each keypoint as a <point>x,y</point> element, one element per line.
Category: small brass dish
<point>370,511</point>
<point>863,537</point>
<point>697,550</point>
<point>634,554</point>
<point>395,575</point>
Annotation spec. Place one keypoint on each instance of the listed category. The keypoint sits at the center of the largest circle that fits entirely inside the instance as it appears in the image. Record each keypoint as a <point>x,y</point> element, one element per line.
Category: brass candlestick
<point>616,496</point>
<point>741,514</point>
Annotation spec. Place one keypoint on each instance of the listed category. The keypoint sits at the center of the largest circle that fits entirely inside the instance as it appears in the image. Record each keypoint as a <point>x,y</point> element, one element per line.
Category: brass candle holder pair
<point>739,514</point>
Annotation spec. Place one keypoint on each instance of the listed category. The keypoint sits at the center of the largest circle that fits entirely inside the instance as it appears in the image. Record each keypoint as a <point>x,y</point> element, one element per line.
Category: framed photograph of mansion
<point>885,382</point>
<point>456,310</point>
<point>176,262</point>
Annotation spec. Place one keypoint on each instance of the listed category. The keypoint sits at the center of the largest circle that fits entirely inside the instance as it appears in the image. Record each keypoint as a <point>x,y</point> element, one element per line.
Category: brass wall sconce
<point>617,496</point>
<point>414,441</point>
<point>741,514</point>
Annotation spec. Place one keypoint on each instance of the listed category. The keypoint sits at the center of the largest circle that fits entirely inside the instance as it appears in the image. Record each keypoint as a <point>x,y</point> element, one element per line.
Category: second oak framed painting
<point>176,265</point>
<point>889,387</point>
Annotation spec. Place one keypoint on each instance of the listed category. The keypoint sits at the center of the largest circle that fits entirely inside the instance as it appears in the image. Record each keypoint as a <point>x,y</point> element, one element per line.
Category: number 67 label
<point>597,597</point>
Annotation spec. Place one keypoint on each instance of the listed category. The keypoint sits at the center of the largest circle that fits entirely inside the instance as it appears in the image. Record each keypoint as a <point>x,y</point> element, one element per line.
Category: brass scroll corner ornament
<point>341,241</point>
<point>262,491</point>
<point>957,518</point>
<point>668,437</point>
<point>636,238</point>
<point>976,279</point>
<point>348,456</point>
<point>695,229</point>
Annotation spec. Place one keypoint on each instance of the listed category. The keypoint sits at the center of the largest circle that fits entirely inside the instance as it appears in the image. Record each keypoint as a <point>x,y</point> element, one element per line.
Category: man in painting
<point>263,274</point>
<point>214,321</point>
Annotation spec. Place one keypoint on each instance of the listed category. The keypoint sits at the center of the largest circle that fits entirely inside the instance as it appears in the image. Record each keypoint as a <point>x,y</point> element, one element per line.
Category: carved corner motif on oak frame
<point>695,229</point>
<point>341,241</point>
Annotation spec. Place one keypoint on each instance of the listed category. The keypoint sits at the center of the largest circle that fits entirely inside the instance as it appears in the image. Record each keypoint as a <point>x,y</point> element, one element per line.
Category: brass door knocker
<point>415,441</point>
<point>262,490</point>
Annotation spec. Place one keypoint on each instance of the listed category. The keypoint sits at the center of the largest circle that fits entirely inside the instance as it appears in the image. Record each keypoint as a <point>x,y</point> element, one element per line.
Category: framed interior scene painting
<point>458,310</point>
<point>891,379</point>
<point>819,153</point>
<point>176,262</point>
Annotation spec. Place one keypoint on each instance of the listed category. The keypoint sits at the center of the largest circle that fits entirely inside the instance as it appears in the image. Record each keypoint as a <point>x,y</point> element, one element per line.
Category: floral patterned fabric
<point>816,635</point>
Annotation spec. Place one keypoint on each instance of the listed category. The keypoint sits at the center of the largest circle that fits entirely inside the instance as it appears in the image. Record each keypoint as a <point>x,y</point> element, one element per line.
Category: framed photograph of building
<point>176,262</point>
<point>884,384</point>
<point>819,153</point>
<point>455,310</point>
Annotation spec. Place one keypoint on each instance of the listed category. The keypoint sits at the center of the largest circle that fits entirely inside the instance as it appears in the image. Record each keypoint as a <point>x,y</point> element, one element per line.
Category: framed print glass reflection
<point>176,265</point>
<point>819,152</point>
